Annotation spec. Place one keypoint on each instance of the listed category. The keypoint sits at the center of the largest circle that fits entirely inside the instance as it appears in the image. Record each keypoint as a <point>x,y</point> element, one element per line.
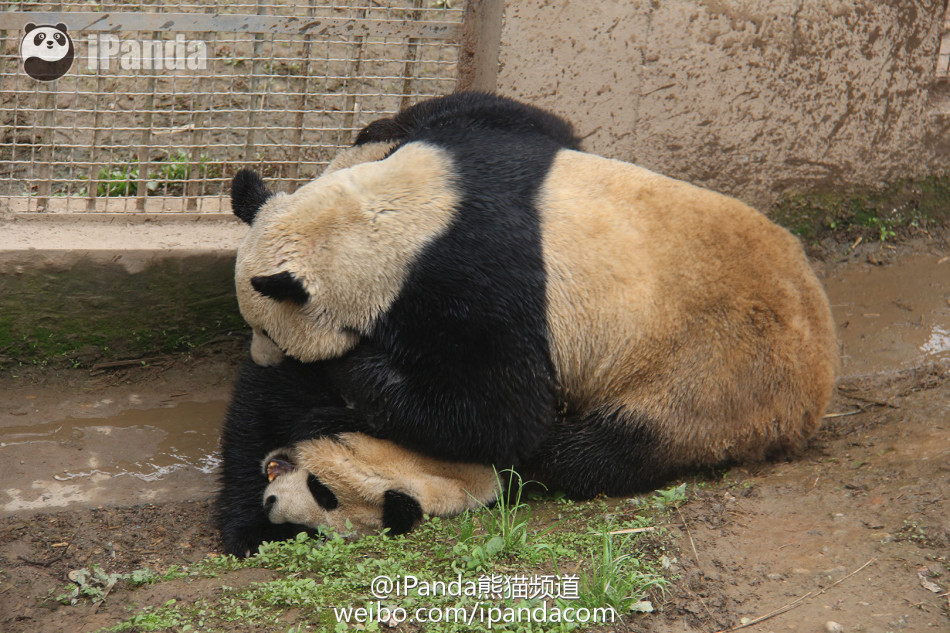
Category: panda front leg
<point>271,407</point>
<point>451,410</point>
<point>242,519</point>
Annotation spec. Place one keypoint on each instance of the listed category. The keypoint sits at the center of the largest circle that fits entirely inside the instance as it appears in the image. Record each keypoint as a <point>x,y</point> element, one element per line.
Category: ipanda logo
<point>47,51</point>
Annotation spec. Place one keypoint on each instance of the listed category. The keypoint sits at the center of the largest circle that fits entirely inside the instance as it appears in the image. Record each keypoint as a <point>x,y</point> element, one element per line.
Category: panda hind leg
<point>614,454</point>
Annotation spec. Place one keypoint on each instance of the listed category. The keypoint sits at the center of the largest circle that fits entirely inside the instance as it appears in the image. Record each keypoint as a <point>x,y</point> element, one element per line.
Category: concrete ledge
<point>81,290</point>
<point>102,231</point>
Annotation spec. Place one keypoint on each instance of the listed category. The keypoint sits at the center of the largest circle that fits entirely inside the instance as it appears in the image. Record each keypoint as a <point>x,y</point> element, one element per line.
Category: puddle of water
<point>132,457</point>
<point>891,316</point>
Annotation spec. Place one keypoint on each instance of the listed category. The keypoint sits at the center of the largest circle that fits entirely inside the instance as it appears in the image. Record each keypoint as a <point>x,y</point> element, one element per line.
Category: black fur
<point>248,195</point>
<point>281,287</point>
<point>459,368</point>
<point>271,407</point>
<point>587,455</point>
<point>471,111</point>
<point>321,494</point>
<point>400,512</point>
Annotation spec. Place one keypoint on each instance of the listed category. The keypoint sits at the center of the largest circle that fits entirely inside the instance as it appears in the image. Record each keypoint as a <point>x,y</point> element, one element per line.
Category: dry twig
<point>55,558</point>
<point>691,542</point>
<point>127,363</point>
<point>633,530</point>
<point>797,603</point>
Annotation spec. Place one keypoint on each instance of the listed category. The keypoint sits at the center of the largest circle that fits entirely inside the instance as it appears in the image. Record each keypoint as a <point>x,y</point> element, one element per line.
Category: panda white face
<point>357,485</point>
<point>49,43</point>
<point>319,266</point>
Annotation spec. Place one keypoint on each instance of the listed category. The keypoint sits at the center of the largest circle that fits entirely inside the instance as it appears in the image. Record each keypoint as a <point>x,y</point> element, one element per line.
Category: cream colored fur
<point>686,307</point>
<point>264,351</point>
<point>359,469</point>
<point>350,237</point>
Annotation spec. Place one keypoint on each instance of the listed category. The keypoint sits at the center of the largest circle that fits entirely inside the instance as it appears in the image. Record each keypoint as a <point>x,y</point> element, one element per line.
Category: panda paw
<point>400,512</point>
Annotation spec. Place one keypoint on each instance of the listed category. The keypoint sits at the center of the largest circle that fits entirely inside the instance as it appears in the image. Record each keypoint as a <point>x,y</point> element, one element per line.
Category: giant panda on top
<point>478,290</point>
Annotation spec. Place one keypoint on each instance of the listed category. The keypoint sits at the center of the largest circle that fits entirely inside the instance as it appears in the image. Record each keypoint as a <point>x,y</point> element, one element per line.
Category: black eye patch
<point>321,493</point>
<point>281,287</point>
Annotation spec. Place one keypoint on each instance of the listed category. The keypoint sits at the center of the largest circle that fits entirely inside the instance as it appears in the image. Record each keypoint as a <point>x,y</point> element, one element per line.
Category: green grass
<point>504,527</point>
<point>94,583</point>
<point>904,206</point>
<point>616,578</point>
<point>118,181</point>
<point>542,557</point>
<point>167,176</point>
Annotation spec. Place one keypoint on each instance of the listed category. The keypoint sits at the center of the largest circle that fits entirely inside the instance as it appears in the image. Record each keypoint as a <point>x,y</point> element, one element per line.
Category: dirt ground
<point>855,530</point>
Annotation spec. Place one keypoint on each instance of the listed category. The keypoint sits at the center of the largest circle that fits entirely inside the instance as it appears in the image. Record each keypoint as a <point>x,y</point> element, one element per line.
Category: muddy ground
<point>855,530</point>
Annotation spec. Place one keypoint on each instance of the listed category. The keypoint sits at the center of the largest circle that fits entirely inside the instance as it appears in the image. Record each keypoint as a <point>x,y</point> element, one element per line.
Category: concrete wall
<point>748,97</point>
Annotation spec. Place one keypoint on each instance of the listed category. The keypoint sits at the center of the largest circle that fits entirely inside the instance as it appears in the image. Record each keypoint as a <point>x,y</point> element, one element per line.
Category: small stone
<point>88,354</point>
<point>833,627</point>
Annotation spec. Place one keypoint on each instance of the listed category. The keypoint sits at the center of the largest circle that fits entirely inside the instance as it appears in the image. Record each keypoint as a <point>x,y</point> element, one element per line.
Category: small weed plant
<point>616,578</point>
<point>504,526</point>
<point>166,177</point>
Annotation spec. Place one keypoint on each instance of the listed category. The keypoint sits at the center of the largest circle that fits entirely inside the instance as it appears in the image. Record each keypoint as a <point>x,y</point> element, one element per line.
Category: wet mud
<point>144,435</point>
<point>150,455</point>
<point>891,316</point>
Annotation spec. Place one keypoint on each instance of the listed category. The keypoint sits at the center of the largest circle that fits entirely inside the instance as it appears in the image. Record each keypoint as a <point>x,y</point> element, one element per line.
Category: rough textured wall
<point>68,307</point>
<point>748,97</point>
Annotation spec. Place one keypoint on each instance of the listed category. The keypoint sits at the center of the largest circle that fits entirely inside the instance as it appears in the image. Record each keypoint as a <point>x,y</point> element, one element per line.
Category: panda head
<point>358,485</point>
<point>298,496</point>
<point>47,51</point>
<point>319,266</point>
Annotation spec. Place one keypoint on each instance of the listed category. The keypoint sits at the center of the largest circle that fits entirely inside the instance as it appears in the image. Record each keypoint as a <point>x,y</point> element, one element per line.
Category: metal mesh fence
<point>943,55</point>
<point>165,101</point>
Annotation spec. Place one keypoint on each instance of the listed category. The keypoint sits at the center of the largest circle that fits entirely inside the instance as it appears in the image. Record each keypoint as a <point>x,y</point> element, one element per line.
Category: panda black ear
<point>281,287</point>
<point>29,27</point>
<point>61,27</point>
<point>248,195</point>
<point>380,130</point>
<point>400,512</point>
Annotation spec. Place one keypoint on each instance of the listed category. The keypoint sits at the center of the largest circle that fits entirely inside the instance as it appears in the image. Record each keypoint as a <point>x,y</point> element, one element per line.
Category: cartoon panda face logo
<point>47,51</point>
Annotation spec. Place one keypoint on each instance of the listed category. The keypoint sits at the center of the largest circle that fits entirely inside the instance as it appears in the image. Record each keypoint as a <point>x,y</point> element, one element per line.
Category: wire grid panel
<point>943,54</point>
<point>165,101</point>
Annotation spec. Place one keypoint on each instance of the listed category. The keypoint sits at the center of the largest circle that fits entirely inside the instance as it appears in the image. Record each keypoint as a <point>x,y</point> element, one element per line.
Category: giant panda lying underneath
<point>275,486</point>
<point>477,290</point>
